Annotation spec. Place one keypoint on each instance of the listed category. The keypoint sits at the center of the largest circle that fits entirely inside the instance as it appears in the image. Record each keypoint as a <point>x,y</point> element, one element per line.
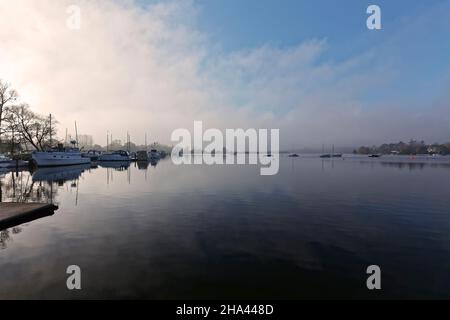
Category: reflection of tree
<point>19,187</point>
<point>414,165</point>
<point>5,236</point>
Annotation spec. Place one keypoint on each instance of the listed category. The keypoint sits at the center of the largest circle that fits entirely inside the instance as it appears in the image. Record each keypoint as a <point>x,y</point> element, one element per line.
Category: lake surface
<point>199,231</point>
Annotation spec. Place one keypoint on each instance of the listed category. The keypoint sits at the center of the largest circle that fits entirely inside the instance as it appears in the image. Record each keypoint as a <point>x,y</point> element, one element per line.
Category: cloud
<point>147,69</point>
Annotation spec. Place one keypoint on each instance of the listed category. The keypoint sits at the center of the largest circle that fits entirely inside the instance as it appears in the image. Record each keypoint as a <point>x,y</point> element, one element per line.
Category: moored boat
<point>59,157</point>
<point>119,155</point>
<point>142,156</point>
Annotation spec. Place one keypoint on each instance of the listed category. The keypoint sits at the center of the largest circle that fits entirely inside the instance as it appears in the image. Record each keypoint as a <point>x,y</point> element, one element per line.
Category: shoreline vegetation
<point>413,147</point>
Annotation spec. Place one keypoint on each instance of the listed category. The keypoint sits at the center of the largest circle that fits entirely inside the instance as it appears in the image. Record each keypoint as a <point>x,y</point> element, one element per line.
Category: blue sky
<point>251,23</point>
<point>421,56</point>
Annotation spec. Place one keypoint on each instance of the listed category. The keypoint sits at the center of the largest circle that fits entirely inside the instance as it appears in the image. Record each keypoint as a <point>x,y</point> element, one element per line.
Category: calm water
<point>227,232</point>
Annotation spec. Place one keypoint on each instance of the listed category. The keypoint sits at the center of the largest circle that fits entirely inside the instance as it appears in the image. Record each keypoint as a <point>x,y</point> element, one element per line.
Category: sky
<point>309,68</point>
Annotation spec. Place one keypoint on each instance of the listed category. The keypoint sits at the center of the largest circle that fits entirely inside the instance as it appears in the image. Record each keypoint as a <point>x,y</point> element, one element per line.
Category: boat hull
<point>56,159</point>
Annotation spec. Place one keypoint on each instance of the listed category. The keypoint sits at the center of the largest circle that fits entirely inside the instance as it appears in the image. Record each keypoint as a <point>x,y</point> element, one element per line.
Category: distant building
<point>117,142</point>
<point>85,141</point>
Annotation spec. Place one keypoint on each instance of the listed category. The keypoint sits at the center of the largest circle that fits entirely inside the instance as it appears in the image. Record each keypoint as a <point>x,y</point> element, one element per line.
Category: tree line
<point>22,129</point>
<point>413,147</point>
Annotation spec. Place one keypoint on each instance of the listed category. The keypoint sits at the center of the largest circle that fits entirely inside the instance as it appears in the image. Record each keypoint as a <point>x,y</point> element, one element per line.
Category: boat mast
<point>128,141</point>
<point>107,140</point>
<point>50,130</point>
<point>76,133</point>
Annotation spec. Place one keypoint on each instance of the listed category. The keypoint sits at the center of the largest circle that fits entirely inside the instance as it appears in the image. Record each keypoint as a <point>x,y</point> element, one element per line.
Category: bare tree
<point>34,129</point>
<point>7,97</point>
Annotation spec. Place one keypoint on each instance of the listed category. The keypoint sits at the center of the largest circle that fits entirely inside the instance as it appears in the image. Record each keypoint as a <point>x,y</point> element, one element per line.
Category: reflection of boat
<point>154,155</point>
<point>115,156</point>
<point>154,162</point>
<point>162,154</point>
<point>6,162</point>
<point>60,173</point>
<point>115,164</point>
<point>142,165</point>
<point>59,157</point>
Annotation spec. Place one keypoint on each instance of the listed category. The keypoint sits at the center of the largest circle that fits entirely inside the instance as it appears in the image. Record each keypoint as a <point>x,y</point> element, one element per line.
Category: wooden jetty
<point>13,213</point>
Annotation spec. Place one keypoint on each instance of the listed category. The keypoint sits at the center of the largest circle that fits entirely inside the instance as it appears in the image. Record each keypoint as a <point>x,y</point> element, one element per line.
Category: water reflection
<point>410,165</point>
<point>116,165</point>
<point>154,162</point>
<point>222,231</point>
<point>142,165</point>
<point>19,186</point>
<point>59,175</point>
<point>6,236</point>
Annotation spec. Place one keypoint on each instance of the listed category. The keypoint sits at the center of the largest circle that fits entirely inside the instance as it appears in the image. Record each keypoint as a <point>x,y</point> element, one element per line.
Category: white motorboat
<point>115,156</point>
<point>6,162</point>
<point>59,157</point>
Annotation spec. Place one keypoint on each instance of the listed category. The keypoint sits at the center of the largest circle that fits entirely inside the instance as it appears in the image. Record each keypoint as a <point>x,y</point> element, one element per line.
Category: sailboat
<point>60,156</point>
<point>325,155</point>
<point>332,154</point>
